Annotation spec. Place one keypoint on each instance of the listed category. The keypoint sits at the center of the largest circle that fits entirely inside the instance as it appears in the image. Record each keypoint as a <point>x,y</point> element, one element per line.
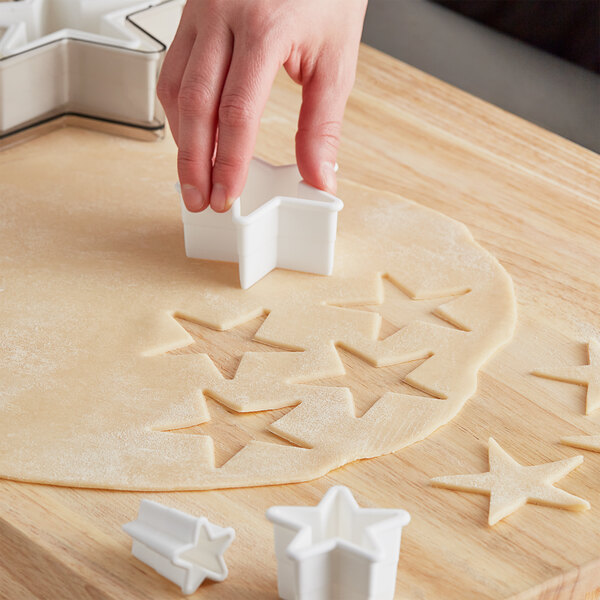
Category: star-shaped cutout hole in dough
<point>511,485</point>
<point>232,431</point>
<point>587,375</point>
<point>367,383</point>
<point>399,308</point>
<point>224,348</point>
<point>586,442</point>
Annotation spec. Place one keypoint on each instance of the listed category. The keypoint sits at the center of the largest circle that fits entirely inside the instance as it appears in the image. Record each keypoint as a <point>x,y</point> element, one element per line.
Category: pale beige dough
<point>511,485</point>
<point>93,269</point>
<point>586,442</point>
<point>586,375</point>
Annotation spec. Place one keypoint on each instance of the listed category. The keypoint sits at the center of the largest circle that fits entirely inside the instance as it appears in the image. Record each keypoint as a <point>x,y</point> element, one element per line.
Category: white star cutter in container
<point>184,549</point>
<point>336,550</point>
<point>89,62</point>
<point>278,221</point>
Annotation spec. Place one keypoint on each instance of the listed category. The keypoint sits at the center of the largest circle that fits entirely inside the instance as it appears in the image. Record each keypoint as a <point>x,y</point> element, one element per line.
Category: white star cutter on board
<point>184,549</point>
<point>337,550</point>
<point>83,58</point>
<point>278,221</point>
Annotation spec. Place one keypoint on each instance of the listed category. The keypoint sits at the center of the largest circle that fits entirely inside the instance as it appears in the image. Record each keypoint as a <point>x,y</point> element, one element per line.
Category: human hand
<point>218,73</point>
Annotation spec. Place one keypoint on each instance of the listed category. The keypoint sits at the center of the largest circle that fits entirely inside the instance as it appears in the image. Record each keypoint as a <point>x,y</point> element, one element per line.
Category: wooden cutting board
<point>528,196</point>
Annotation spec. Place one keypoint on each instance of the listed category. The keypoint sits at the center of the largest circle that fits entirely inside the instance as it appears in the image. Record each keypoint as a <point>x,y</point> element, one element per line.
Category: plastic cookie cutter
<point>336,550</point>
<point>184,549</point>
<point>278,221</point>
<point>93,63</point>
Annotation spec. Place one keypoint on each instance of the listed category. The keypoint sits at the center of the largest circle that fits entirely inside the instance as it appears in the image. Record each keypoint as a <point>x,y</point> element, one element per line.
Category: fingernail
<point>192,198</point>
<point>218,198</point>
<point>329,179</point>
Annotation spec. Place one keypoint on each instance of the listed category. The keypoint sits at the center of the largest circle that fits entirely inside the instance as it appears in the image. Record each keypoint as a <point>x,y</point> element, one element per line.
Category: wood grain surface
<point>529,197</point>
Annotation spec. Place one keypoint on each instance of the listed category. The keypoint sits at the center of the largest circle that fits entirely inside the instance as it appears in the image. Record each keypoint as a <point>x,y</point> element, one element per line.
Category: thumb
<point>319,127</point>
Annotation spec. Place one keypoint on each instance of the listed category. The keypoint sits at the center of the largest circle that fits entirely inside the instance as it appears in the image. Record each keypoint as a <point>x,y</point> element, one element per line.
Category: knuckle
<point>261,40</point>
<point>228,163</point>
<point>258,18</point>
<point>186,158</point>
<point>194,97</point>
<point>236,111</point>
<point>263,27</point>
<point>326,131</point>
<point>326,135</point>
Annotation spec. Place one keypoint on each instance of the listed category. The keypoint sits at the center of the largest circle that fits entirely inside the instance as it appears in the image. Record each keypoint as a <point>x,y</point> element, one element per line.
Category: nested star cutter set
<point>91,63</point>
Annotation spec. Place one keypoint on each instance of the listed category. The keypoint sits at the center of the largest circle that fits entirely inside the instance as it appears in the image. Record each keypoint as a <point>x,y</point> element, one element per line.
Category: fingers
<point>324,97</point>
<point>172,71</point>
<point>198,105</point>
<point>243,100</point>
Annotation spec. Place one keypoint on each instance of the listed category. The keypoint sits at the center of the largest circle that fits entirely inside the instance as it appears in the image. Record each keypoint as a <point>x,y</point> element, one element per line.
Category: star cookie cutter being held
<point>184,549</point>
<point>336,549</point>
<point>278,221</point>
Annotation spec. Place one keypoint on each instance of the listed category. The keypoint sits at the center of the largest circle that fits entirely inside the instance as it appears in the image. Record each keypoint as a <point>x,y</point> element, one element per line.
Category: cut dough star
<point>587,442</point>
<point>398,308</point>
<point>588,375</point>
<point>511,485</point>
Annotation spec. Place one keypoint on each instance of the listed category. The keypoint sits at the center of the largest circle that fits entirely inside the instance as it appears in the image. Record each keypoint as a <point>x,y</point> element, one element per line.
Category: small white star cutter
<point>278,221</point>
<point>184,549</point>
<point>337,550</point>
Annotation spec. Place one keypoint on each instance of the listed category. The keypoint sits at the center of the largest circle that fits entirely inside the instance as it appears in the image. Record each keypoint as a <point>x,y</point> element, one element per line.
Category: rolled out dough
<point>92,271</point>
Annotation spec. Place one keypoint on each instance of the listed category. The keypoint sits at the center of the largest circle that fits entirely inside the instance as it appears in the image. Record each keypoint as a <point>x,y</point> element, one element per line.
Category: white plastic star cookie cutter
<point>278,221</point>
<point>91,63</point>
<point>184,549</point>
<point>336,550</point>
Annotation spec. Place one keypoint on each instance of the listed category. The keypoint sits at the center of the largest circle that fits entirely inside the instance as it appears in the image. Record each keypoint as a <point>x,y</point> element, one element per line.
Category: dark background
<point>539,59</point>
<point>567,28</point>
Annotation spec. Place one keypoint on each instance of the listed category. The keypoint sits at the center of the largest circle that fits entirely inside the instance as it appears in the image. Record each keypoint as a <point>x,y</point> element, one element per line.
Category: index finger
<point>243,100</point>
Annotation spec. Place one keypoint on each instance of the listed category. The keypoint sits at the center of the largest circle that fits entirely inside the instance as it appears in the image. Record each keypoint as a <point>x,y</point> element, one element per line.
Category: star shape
<point>232,431</point>
<point>229,430</point>
<point>586,442</point>
<point>203,559</point>
<point>44,47</point>
<point>279,221</point>
<point>218,344</point>
<point>511,485</point>
<point>366,389</point>
<point>587,375</point>
<point>185,549</point>
<point>336,537</point>
<point>398,308</point>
